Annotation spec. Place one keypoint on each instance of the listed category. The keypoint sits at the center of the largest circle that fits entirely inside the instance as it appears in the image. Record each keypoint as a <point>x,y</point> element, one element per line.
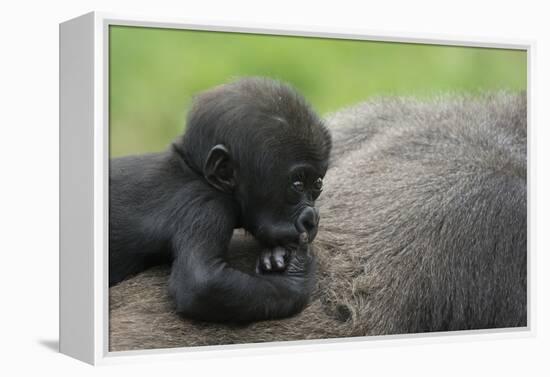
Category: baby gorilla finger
<point>265,260</point>
<point>273,259</point>
<point>278,259</point>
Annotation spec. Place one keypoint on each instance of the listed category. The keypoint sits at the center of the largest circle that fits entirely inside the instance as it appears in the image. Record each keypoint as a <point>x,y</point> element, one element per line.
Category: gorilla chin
<point>272,234</point>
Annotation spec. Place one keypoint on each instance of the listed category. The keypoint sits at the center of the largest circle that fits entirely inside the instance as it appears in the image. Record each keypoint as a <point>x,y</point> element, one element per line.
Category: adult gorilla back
<point>423,228</point>
<point>427,209</point>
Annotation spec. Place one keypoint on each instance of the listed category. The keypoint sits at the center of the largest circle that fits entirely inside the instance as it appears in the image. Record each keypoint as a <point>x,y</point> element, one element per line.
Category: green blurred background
<point>155,72</point>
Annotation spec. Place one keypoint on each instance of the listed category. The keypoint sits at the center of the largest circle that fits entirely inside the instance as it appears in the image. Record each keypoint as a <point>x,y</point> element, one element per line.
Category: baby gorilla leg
<point>273,260</point>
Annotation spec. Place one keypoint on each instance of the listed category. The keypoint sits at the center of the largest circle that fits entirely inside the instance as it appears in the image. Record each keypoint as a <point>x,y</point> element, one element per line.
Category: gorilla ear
<point>219,169</point>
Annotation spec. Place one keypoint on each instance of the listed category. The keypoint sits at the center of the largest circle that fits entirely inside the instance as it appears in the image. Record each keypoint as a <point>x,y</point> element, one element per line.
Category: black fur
<point>247,144</point>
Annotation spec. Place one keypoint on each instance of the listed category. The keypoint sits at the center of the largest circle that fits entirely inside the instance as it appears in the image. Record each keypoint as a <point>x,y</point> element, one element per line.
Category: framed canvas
<point>258,188</point>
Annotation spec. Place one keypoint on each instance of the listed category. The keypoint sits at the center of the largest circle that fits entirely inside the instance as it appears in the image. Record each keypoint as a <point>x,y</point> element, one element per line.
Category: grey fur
<point>423,228</point>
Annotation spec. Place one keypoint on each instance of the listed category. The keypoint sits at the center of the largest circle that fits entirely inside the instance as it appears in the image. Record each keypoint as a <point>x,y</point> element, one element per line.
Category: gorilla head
<point>259,141</point>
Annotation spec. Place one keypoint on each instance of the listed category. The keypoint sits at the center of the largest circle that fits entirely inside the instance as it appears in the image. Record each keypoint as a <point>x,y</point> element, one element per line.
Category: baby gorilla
<point>254,156</point>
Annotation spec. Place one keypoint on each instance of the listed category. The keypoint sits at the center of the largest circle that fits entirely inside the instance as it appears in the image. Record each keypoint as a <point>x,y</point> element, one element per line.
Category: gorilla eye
<point>298,186</point>
<point>318,183</point>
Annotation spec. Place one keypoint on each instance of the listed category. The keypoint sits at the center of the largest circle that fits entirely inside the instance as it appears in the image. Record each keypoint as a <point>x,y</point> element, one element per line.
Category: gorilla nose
<point>307,223</point>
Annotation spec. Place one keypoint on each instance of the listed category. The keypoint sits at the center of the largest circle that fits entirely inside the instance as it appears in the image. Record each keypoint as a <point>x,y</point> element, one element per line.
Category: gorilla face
<point>271,156</point>
<point>281,210</point>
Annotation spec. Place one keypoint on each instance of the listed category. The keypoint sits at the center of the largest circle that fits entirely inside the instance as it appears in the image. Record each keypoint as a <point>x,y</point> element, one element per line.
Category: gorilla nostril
<point>309,224</point>
<point>307,220</point>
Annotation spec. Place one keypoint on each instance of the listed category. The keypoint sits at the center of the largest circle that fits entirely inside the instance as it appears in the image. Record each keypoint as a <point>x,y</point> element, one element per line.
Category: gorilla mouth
<point>277,235</point>
<point>303,229</point>
<point>283,235</point>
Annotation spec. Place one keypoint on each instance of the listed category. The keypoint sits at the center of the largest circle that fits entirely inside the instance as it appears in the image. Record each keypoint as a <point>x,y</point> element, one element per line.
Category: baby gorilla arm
<point>205,287</point>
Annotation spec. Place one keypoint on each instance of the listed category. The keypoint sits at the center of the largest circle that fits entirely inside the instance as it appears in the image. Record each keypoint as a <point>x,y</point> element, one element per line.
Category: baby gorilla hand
<point>294,259</point>
<point>273,260</point>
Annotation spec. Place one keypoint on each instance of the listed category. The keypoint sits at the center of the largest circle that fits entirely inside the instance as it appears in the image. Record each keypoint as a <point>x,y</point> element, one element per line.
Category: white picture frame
<point>84,163</point>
